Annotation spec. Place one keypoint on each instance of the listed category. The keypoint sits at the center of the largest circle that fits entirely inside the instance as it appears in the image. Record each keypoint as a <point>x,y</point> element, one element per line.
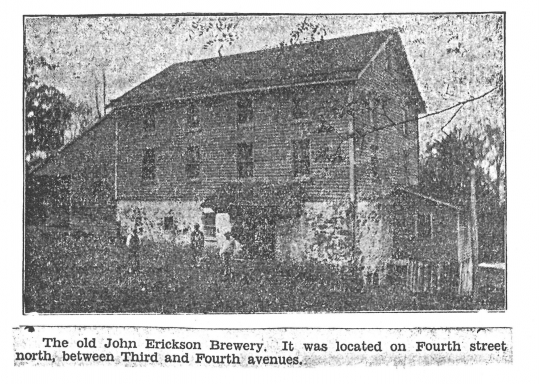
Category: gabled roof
<point>59,151</point>
<point>341,58</point>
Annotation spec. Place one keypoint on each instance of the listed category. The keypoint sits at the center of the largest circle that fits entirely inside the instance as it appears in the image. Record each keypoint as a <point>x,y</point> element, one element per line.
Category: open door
<point>255,228</point>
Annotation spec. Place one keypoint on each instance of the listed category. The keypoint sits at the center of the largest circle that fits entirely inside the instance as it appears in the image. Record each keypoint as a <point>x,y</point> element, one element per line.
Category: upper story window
<point>149,120</point>
<point>99,188</point>
<point>193,162</point>
<point>245,110</point>
<point>193,115</point>
<point>299,107</point>
<point>149,165</point>
<point>405,124</point>
<point>405,159</point>
<point>372,114</point>
<point>424,225</point>
<point>389,59</point>
<point>374,160</point>
<point>301,158</point>
<point>245,160</point>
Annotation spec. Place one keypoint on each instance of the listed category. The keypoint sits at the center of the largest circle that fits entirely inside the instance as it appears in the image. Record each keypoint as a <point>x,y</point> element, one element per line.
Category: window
<point>245,110</point>
<point>149,120</point>
<point>209,224</point>
<point>299,107</point>
<point>149,165</point>
<point>373,114</point>
<point>424,223</point>
<point>300,157</point>
<point>389,58</point>
<point>168,223</point>
<point>405,124</point>
<point>193,115</point>
<point>374,160</point>
<point>245,160</point>
<point>97,187</point>
<point>405,160</point>
<point>193,162</point>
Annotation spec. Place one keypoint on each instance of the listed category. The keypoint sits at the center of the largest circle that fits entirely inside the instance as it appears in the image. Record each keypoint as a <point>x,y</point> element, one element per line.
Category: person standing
<point>133,242</point>
<point>226,252</point>
<point>197,243</point>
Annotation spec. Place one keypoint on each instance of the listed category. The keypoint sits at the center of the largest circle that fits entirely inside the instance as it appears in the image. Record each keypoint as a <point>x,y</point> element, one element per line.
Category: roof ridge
<point>229,58</point>
<point>58,151</point>
<point>279,48</point>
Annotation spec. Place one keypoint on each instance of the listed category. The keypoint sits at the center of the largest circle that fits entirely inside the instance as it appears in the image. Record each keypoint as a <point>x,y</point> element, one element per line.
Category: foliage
<point>222,32</point>
<point>49,113</point>
<point>90,275</point>
<point>306,31</point>
<point>445,173</point>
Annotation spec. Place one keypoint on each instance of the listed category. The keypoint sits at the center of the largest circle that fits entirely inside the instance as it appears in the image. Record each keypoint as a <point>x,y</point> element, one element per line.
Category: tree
<point>49,113</point>
<point>47,110</point>
<point>445,173</point>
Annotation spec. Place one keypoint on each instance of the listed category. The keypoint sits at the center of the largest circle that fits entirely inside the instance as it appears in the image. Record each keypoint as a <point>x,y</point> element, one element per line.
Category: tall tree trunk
<point>474,233</point>
<point>352,174</point>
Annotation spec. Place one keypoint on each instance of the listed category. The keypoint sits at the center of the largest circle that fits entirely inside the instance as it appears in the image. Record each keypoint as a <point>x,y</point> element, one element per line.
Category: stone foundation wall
<point>185,215</point>
<point>324,233</point>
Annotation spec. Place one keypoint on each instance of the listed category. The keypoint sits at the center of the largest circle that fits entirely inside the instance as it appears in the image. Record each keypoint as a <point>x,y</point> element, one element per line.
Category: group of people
<point>226,251</point>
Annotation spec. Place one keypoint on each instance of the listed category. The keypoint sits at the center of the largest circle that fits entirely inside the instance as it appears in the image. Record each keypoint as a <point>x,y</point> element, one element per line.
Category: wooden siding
<point>272,131</point>
<point>89,160</point>
<point>441,245</point>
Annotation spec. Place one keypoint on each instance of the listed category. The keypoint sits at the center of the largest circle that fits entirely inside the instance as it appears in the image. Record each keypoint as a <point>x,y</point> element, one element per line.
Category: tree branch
<point>452,118</point>
<point>459,104</point>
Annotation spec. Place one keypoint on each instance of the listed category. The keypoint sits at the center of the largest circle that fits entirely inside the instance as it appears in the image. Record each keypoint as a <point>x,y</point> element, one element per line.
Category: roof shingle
<point>317,61</point>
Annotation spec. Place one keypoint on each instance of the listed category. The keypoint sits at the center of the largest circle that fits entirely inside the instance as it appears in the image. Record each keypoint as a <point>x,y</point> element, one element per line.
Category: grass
<point>69,275</point>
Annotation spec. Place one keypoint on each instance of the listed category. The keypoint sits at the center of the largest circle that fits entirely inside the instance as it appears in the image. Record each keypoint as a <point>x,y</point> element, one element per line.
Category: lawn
<point>64,274</point>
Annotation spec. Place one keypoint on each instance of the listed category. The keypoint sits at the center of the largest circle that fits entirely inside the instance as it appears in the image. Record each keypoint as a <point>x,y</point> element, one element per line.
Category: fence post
<point>419,275</point>
<point>414,276</point>
<point>427,275</point>
<point>408,276</point>
<point>431,279</point>
<point>439,273</point>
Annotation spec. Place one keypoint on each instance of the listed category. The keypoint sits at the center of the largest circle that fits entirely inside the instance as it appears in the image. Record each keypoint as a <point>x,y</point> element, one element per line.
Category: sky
<point>453,57</point>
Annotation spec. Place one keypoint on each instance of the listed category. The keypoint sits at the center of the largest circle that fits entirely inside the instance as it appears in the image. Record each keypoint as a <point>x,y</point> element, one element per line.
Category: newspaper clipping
<point>239,190</point>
